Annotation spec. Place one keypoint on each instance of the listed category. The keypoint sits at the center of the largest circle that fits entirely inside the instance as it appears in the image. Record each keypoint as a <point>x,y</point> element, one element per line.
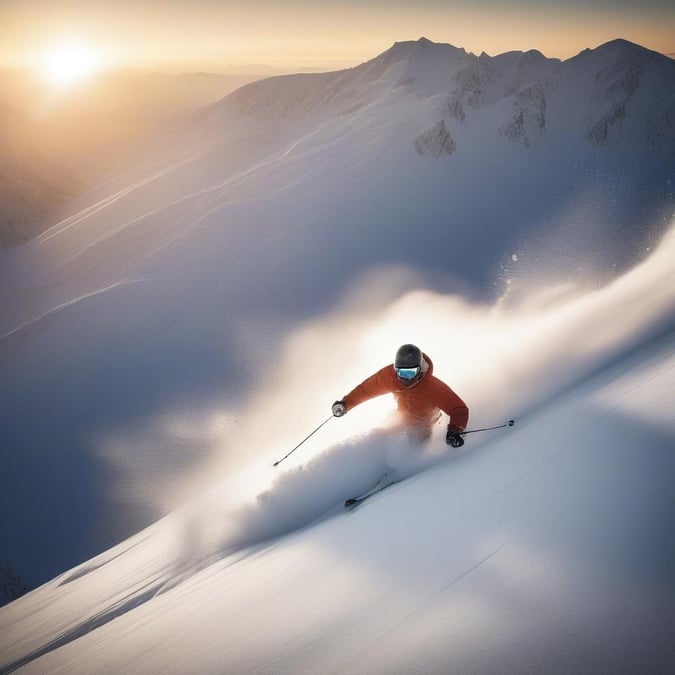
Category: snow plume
<point>504,360</point>
<point>223,521</point>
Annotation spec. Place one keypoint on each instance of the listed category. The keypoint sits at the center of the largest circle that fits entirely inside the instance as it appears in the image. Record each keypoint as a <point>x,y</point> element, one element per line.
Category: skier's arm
<point>376,385</point>
<point>451,404</point>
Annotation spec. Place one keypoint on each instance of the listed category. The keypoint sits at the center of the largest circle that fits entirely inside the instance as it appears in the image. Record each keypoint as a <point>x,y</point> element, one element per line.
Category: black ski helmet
<point>408,356</point>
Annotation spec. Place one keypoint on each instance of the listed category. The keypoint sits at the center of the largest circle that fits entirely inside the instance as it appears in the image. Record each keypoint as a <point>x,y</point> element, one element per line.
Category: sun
<point>68,63</point>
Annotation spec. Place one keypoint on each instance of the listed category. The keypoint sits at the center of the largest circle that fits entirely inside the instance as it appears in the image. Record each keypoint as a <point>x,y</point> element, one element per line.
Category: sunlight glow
<point>68,63</point>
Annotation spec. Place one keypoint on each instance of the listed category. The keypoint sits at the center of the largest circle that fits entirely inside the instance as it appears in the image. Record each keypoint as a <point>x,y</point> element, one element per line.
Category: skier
<point>419,395</point>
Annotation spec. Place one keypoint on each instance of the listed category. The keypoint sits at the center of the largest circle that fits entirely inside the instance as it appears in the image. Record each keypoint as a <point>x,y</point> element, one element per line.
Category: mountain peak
<point>422,42</point>
<point>534,55</point>
<point>620,43</point>
<point>625,49</point>
<point>409,46</point>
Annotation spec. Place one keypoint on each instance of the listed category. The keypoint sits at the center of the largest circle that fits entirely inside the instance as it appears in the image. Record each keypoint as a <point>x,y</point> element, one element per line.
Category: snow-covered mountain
<point>53,146</point>
<point>197,314</point>
<point>618,93</point>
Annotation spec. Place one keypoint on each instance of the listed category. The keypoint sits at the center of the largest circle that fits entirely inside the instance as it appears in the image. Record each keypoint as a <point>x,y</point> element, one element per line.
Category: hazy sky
<point>332,33</point>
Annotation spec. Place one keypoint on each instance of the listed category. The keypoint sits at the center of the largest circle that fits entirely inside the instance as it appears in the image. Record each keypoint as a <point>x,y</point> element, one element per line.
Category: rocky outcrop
<point>453,109</point>
<point>471,81</point>
<point>599,132</point>
<point>661,126</point>
<point>435,142</point>
<point>11,587</point>
<point>615,86</point>
<point>529,120</point>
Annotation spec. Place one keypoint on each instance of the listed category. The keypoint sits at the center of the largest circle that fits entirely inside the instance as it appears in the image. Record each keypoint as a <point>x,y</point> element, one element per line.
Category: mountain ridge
<point>429,70</point>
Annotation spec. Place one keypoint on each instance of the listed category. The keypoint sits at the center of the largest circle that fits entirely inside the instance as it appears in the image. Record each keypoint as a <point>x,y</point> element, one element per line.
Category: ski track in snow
<point>71,221</point>
<point>59,308</point>
<point>211,206</point>
<point>422,605</point>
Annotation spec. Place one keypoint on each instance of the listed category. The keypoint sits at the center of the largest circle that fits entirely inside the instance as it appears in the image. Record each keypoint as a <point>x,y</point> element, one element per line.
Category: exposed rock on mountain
<point>454,109</point>
<point>435,142</point>
<point>529,120</point>
<point>11,587</point>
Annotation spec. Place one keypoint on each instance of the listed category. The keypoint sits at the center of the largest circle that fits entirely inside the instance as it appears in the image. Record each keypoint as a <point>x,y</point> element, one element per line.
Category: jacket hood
<point>430,363</point>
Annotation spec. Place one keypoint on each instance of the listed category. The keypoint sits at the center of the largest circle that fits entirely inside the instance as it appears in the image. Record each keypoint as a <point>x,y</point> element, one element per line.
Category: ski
<point>382,484</point>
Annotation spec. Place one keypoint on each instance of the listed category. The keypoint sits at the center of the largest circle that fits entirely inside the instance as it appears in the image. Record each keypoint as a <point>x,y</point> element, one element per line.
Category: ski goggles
<point>408,373</point>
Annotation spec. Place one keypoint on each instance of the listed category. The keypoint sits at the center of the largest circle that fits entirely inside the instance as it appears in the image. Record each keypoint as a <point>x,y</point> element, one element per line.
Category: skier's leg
<point>418,434</point>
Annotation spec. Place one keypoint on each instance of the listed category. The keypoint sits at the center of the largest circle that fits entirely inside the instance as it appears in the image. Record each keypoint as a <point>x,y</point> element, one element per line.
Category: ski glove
<point>453,438</point>
<point>339,409</point>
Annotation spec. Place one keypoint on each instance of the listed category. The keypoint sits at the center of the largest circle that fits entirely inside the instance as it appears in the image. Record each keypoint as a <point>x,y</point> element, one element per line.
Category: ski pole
<point>510,423</point>
<point>302,441</point>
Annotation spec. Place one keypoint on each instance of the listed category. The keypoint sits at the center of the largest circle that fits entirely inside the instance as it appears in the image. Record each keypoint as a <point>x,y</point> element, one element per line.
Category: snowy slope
<point>546,549</point>
<point>140,336</point>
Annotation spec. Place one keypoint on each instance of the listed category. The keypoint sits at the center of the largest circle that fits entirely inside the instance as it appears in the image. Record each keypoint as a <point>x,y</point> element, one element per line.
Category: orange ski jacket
<point>419,403</point>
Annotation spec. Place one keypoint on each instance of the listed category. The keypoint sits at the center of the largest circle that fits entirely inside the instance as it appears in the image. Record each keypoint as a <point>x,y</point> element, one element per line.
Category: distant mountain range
<point>53,147</point>
<point>617,94</point>
<point>599,93</point>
